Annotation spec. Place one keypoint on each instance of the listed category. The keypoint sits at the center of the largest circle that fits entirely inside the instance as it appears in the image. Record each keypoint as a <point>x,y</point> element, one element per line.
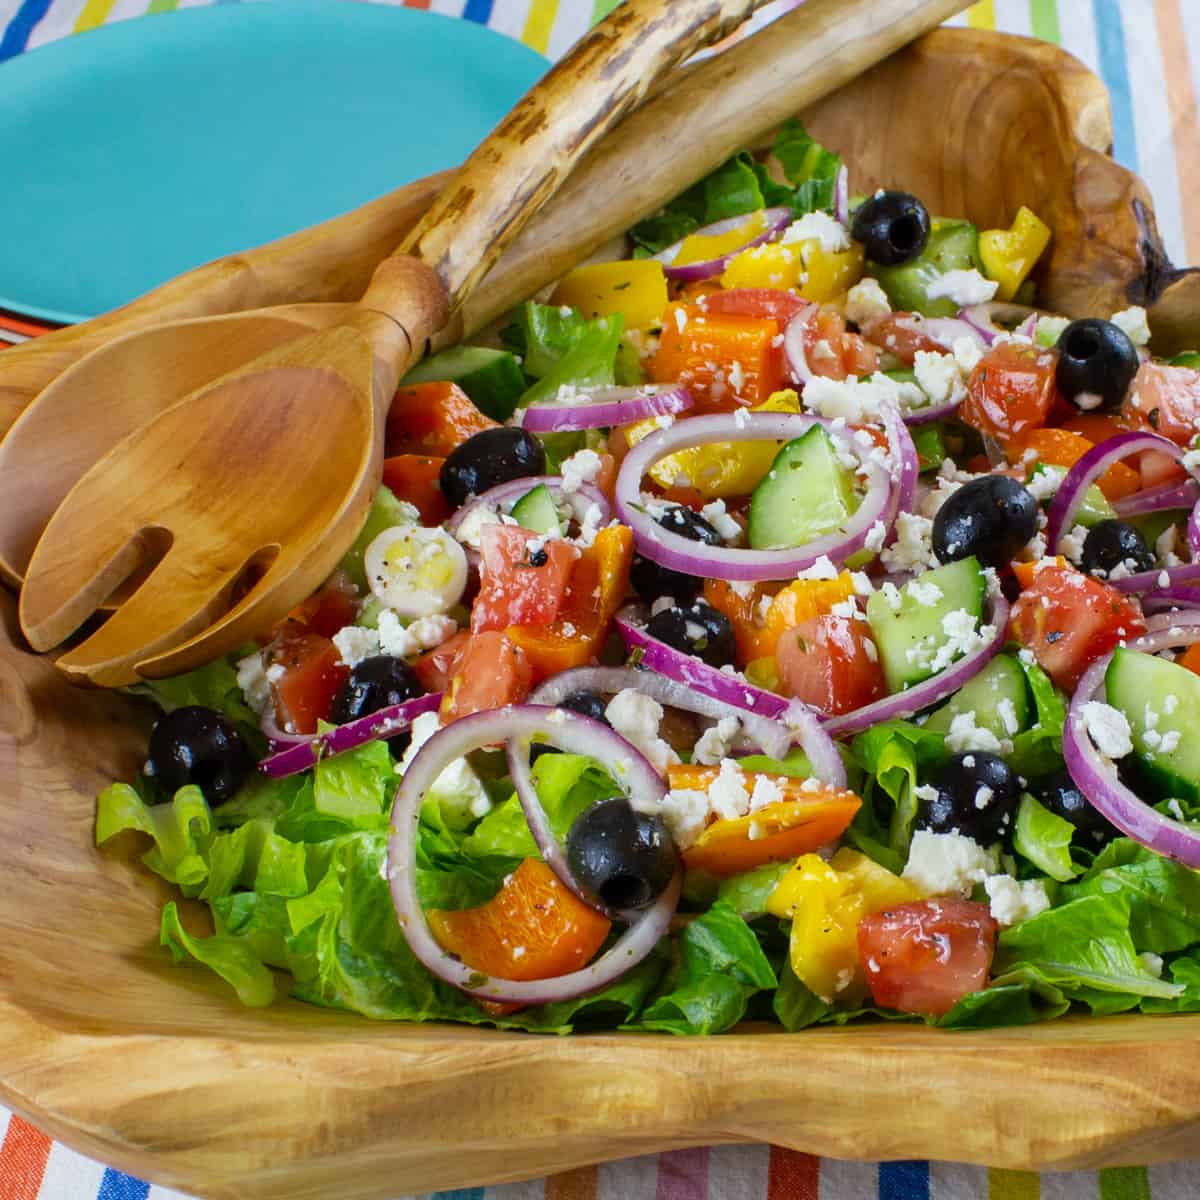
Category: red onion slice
<point>606,407</point>
<point>931,691</point>
<point>795,336</point>
<point>503,496</point>
<point>1170,598</point>
<point>906,466</point>
<point>569,731</point>
<point>979,318</point>
<point>1161,577</point>
<point>1027,327</point>
<point>945,330</point>
<point>385,723</point>
<point>723,562</point>
<point>926,416</point>
<point>277,737</point>
<point>1193,530</point>
<point>1171,495</point>
<point>841,195</point>
<point>1097,777</point>
<point>777,220</point>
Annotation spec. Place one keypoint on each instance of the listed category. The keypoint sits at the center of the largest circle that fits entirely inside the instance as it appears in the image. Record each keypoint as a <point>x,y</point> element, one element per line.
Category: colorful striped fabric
<point>1148,52</point>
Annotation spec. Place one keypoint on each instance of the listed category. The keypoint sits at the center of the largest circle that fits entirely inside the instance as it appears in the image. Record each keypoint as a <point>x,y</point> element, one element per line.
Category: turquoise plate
<point>150,146</point>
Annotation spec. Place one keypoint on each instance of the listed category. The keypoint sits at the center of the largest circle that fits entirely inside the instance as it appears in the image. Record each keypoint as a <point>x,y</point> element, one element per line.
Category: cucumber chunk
<point>492,378</point>
<point>1094,508</point>
<point>952,246</point>
<point>1167,743</point>
<point>997,696</point>
<point>806,493</point>
<point>537,511</point>
<point>910,634</point>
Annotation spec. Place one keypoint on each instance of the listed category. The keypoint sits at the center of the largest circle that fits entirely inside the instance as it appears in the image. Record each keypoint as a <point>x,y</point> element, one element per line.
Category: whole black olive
<point>624,858</point>
<point>200,746</point>
<point>892,226</point>
<point>487,459</point>
<point>1096,364</point>
<point>1110,543</point>
<point>977,796</point>
<point>651,581</point>
<point>1061,795</point>
<point>375,683</point>
<point>698,629</point>
<point>991,517</point>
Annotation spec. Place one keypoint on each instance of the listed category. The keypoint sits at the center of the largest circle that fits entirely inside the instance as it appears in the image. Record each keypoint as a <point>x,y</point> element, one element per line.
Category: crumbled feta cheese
<point>967,353</point>
<point>636,717</point>
<point>1007,712</point>
<point>964,288</point>
<point>875,537</point>
<point>1012,902</point>
<point>716,742</point>
<point>1048,330</point>
<point>470,529</point>
<point>458,790</point>
<point>891,593</point>
<point>913,548</point>
<point>861,583</point>
<point>866,301</point>
<point>926,793</point>
<point>253,680</point>
<point>582,467</point>
<point>1152,963</point>
<point>717,516</point>
<point>821,569</point>
<point>1071,544</point>
<point>984,795</point>
<point>818,227</point>
<point>1042,485</point>
<point>859,400</point>
<point>422,634</point>
<point>938,377</point>
<point>593,520</point>
<point>727,794</point>
<point>1132,323</point>
<point>354,643</point>
<point>925,593</point>
<point>949,864</point>
<point>964,735</point>
<point>1108,729</point>
<point>1169,742</point>
<point>681,318</point>
<point>685,813</point>
<point>766,791</point>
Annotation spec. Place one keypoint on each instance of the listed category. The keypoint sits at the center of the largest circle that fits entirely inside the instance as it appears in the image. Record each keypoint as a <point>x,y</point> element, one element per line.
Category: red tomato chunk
<point>522,578</point>
<point>830,663</point>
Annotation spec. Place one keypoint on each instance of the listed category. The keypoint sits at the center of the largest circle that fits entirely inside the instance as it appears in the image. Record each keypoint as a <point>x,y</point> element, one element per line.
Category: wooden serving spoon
<point>263,478</point>
<point>119,386</point>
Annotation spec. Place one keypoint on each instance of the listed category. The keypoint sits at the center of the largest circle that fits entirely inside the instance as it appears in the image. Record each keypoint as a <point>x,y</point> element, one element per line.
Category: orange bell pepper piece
<point>805,600</point>
<point>432,418</point>
<point>743,607</point>
<point>532,928</point>
<point>725,360</point>
<point>1190,658</point>
<point>596,589</point>
<point>1025,571</point>
<point>799,824</point>
<point>414,477</point>
<point>1062,448</point>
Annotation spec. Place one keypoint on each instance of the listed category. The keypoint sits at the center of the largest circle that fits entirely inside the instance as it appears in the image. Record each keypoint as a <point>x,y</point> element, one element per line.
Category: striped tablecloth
<point>1148,52</point>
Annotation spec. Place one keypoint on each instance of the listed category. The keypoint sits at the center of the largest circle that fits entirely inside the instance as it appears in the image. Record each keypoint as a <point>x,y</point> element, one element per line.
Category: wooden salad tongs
<point>105,378</point>
<point>244,495</point>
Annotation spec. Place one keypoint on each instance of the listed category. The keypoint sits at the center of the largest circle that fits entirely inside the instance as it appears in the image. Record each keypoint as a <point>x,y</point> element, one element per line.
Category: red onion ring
<point>841,195</point>
<point>978,317</point>
<point>495,499</point>
<point>385,723</point>
<point>277,737</point>
<point>926,416</point>
<point>906,467</point>
<point>930,691</point>
<point>1170,598</point>
<point>1096,776</point>
<point>569,731</point>
<point>694,558</point>
<point>1087,469</point>
<point>1193,530</point>
<point>1027,327</point>
<point>982,318</point>
<point>1171,495</point>
<point>777,219</point>
<point>945,330</point>
<point>795,334</point>
<point>606,407</point>
<point>1143,581</point>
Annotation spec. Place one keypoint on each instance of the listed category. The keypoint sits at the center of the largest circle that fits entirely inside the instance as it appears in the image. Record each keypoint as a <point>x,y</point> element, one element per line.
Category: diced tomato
<point>414,477</point>
<point>432,418</point>
<point>901,335</point>
<point>598,586</point>
<point>491,672</point>
<point>834,352</point>
<point>1158,469</point>
<point>517,585</point>
<point>830,663</point>
<point>1069,619</point>
<point>532,928</point>
<point>332,607</point>
<point>435,668</point>
<point>925,956</point>
<point>1166,400</point>
<point>755,302</point>
<point>1096,427</point>
<point>313,672</point>
<point>1011,390</point>
<point>726,360</point>
<point>1062,448</point>
<point>799,822</point>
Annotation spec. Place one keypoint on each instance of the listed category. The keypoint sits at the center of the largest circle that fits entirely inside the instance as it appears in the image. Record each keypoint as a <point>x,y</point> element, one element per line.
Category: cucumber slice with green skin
<point>952,246</point>
<point>492,378</point>
<point>997,696</point>
<point>910,635</point>
<point>536,510</point>
<point>805,494</point>
<point>1094,508</point>
<point>1167,744</point>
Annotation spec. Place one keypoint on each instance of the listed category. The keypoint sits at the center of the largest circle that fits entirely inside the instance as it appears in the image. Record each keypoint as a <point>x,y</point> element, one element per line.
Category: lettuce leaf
<point>214,685</point>
<point>181,830</point>
<point>808,166</point>
<point>231,958</point>
<point>747,894</point>
<point>590,362</point>
<point>347,792</point>
<point>1038,750</point>
<point>1185,971</point>
<point>1043,838</point>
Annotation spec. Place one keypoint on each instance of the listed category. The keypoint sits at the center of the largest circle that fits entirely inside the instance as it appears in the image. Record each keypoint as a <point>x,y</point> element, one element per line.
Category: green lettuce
<point>749,892</point>
<point>1038,750</point>
<point>231,958</point>
<point>1043,838</point>
<point>808,166</point>
<point>213,685</point>
<point>590,362</point>
<point>350,791</point>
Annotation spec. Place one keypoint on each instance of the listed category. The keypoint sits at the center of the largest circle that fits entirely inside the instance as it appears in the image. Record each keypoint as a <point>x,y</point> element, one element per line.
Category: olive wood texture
<point>157,1070</point>
<point>246,493</point>
<point>119,384</point>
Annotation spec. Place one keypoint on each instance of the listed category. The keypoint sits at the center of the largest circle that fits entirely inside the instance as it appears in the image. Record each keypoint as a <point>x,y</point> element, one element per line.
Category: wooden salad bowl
<point>158,1070</point>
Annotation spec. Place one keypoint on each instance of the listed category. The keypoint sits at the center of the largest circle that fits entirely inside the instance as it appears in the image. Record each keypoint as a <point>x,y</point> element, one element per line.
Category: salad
<point>788,621</point>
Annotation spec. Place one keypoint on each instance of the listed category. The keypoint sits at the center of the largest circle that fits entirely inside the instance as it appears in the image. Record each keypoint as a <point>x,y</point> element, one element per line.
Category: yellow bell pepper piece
<point>1009,255</point>
<point>774,265</point>
<point>721,468</point>
<point>635,288</point>
<point>827,274</point>
<point>701,247</point>
<point>826,901</point>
